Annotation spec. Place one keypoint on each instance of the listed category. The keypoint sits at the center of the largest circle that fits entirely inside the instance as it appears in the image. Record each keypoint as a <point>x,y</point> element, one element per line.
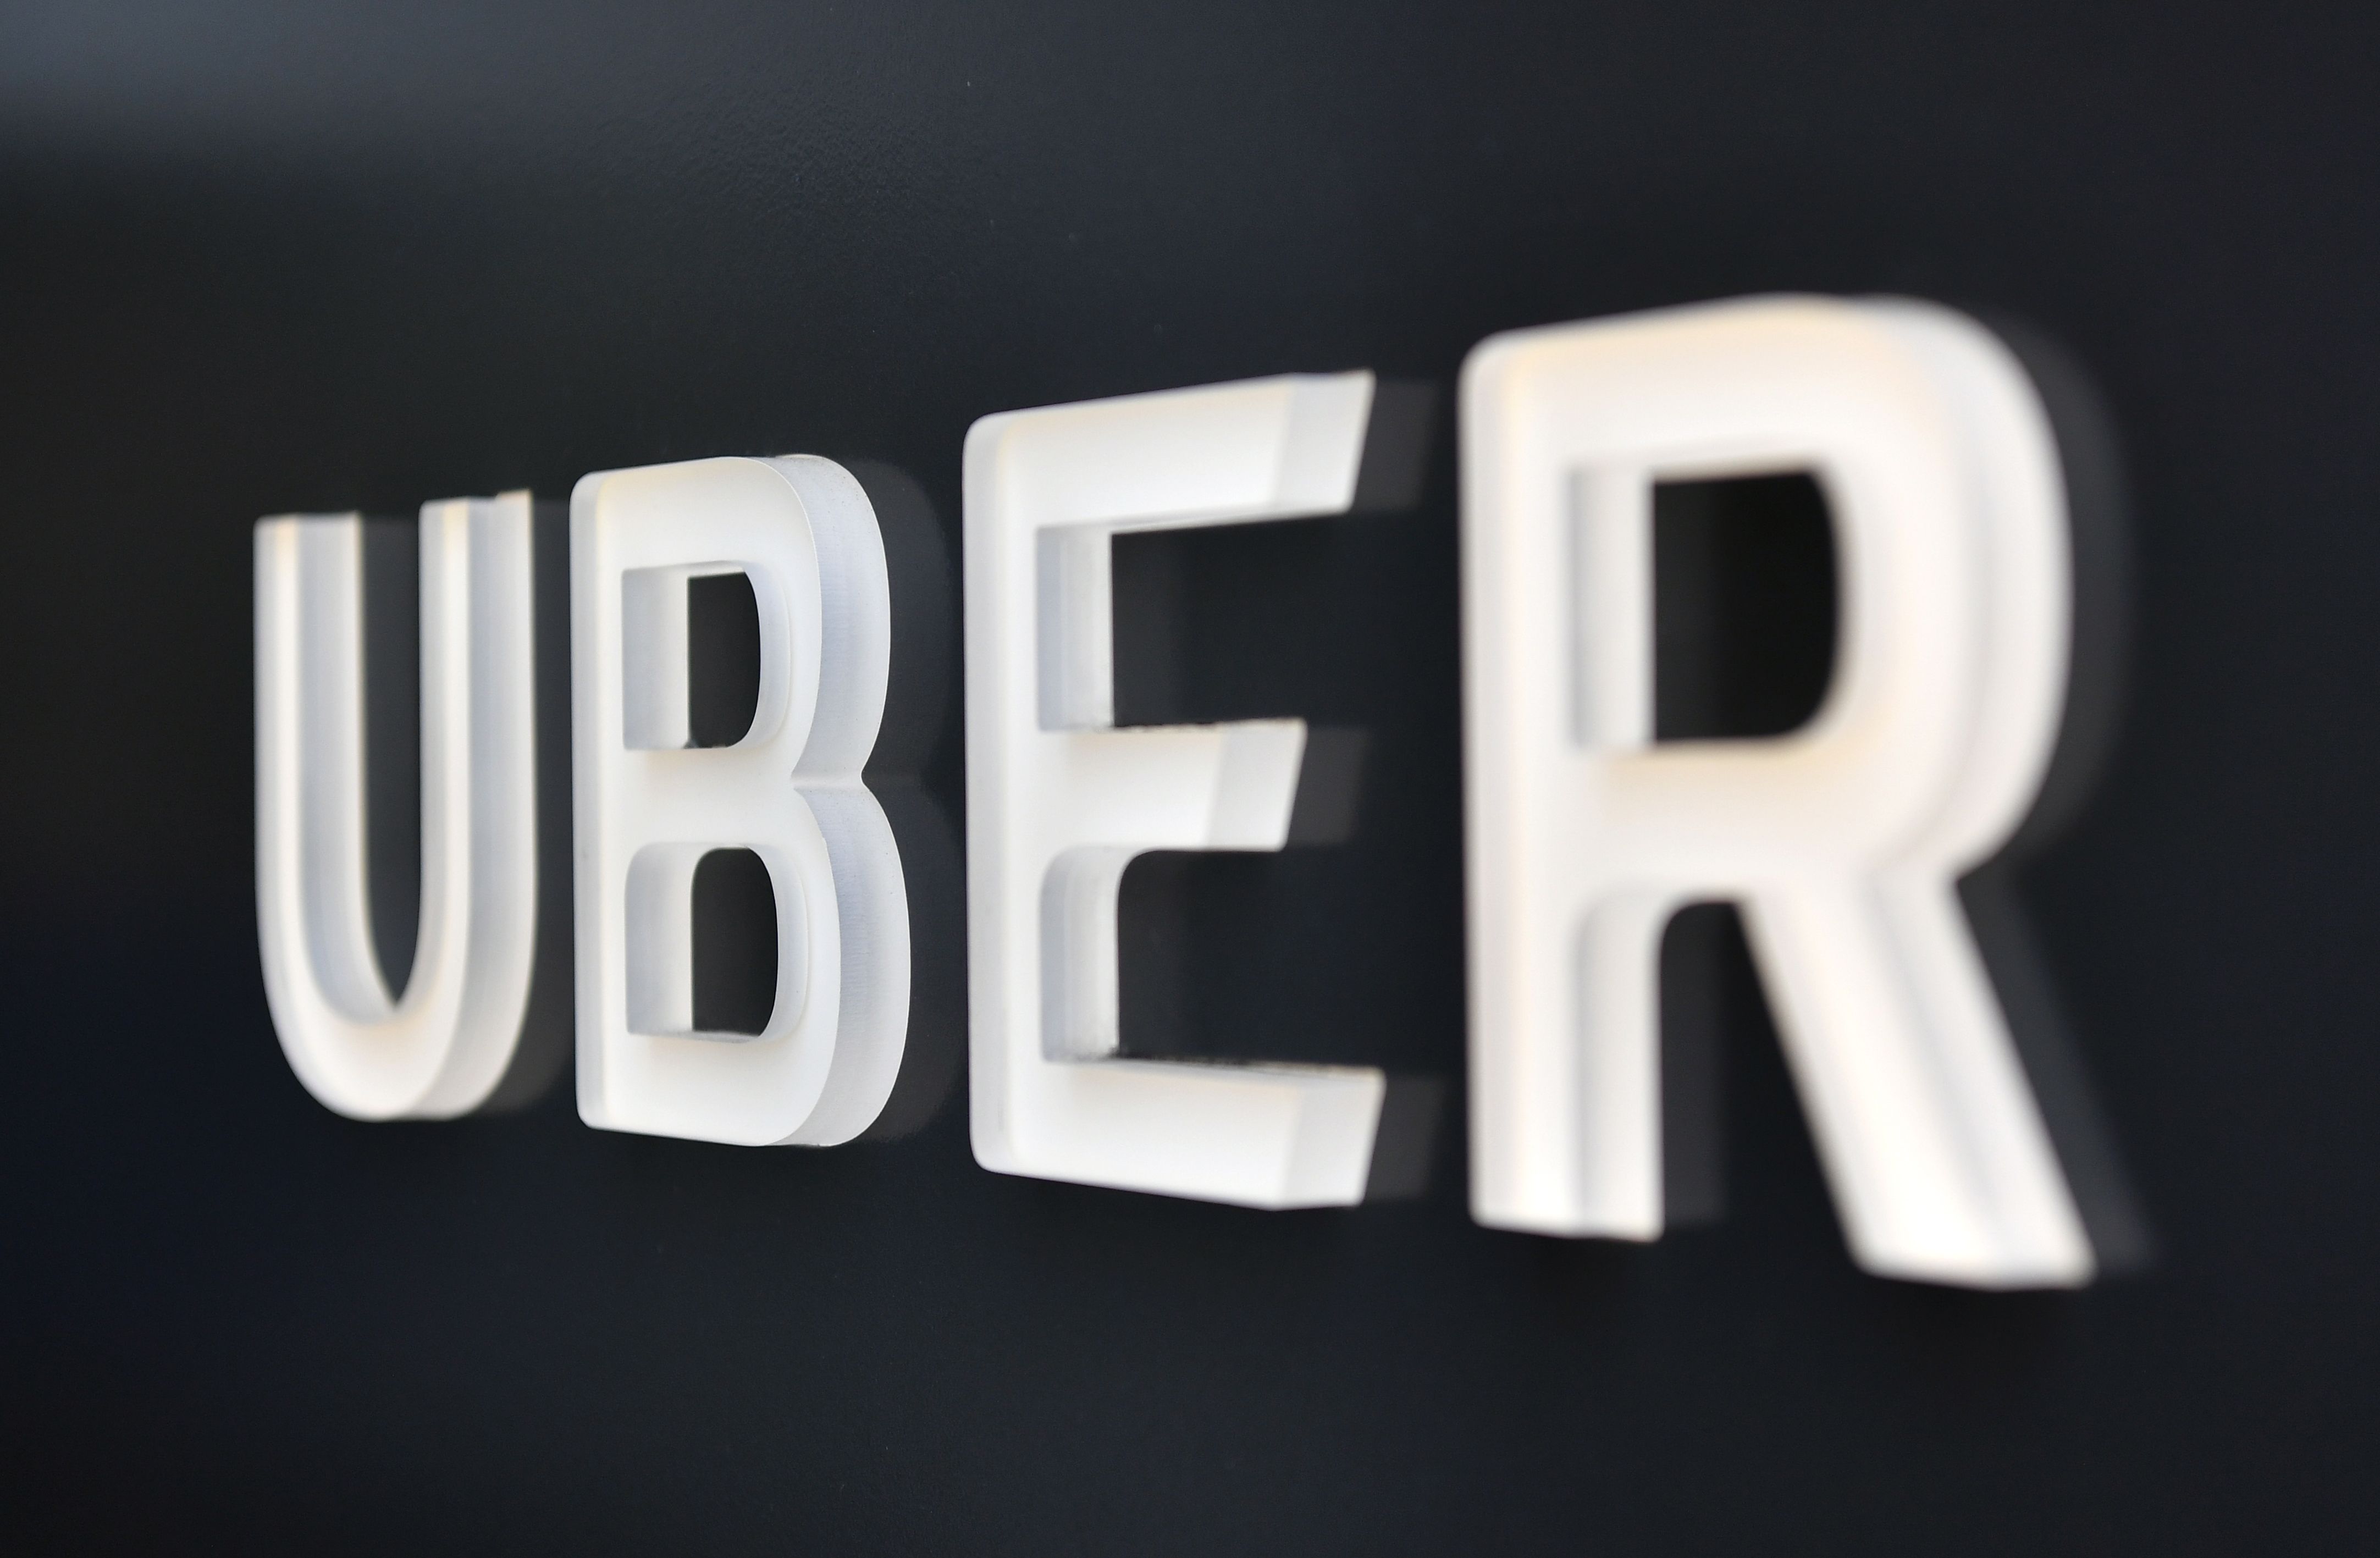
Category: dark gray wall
<point>263,260</point>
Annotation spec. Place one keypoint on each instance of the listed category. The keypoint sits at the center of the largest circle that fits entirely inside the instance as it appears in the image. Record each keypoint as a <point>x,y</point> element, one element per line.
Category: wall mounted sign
<point>1843,841</point>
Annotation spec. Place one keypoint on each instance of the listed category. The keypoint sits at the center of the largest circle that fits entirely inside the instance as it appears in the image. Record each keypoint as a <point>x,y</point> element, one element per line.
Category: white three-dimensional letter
<point>648,807</point>
<point>1059,801</point>
<point>442,1049</point>
<point>1843,841</point>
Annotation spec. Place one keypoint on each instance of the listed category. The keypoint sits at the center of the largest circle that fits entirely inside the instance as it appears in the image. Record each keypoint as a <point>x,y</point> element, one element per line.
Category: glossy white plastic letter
<point>442,1047</point>
<point>1059,801</point>
<point>649,807</point>
<point>1843,841</point>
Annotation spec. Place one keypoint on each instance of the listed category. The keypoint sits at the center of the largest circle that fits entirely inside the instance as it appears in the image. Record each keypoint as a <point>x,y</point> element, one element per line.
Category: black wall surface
<point>255,260</point>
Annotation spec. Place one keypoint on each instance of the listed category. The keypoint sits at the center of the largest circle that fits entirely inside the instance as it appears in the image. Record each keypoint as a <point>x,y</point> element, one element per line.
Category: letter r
<point>1843,841</point>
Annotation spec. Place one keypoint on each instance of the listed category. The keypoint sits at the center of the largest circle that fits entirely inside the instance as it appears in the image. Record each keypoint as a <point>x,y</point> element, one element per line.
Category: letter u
<point>442,1047</point>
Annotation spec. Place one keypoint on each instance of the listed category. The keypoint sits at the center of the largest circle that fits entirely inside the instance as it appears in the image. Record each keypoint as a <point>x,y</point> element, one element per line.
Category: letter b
<point>650,807</point>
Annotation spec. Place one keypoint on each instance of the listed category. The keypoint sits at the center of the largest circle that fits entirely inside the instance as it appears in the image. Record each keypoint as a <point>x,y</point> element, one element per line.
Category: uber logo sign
<point>1843,841</point>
